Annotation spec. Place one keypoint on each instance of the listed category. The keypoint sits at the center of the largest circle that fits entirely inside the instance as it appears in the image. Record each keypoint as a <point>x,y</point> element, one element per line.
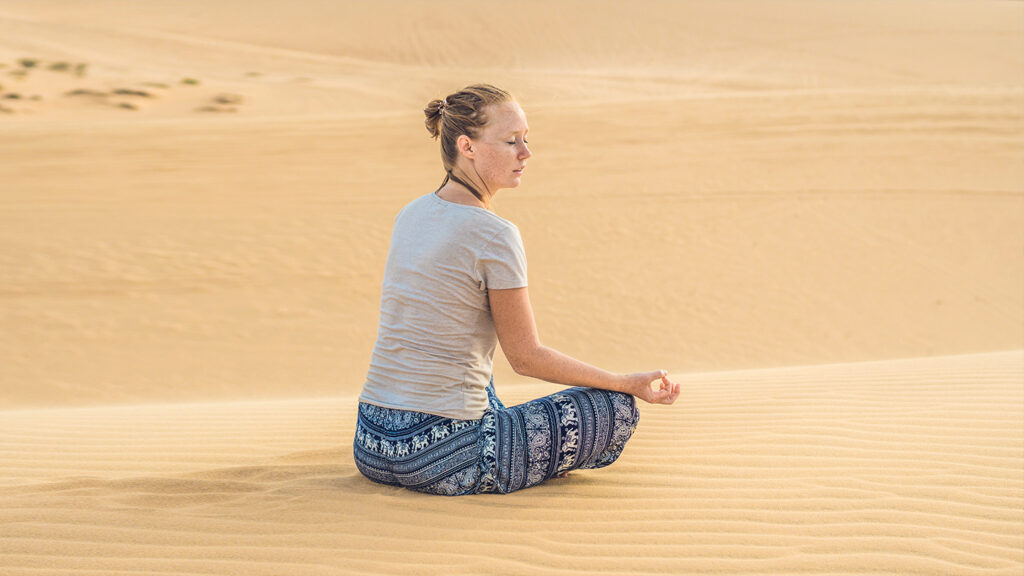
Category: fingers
<point>676,389</point>
<point>668,390</point>
<point>657,397</point>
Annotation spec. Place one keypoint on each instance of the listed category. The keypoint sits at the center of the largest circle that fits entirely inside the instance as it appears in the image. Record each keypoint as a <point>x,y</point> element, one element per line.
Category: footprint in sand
<point>222,103</point>
<point>103,98</point>
<point>24,70</point>
<point>12,97</point>
<point>130,93</point>
<point>78,70</point>
<point>131,97</point>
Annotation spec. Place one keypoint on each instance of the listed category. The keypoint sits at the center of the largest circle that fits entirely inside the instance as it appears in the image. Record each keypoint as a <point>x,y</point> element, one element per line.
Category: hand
<point>639,384</point>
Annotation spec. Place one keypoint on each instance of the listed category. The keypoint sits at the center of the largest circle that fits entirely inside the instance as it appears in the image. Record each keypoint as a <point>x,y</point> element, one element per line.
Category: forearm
<point>551,365</point>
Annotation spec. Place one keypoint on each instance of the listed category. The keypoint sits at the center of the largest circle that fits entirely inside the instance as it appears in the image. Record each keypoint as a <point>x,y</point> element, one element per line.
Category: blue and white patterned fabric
<point>506,450</point>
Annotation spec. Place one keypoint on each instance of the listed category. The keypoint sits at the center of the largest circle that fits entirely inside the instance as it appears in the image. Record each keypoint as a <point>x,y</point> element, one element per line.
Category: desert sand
<point>811,213</point>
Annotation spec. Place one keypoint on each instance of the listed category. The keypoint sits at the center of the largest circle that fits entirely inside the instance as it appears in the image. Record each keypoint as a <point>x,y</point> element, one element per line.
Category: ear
<point>465,146</point>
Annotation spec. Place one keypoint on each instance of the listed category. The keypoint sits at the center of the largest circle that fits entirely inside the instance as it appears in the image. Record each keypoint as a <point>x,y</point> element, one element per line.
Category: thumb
<point>656,375</point>
<point>651,377</point>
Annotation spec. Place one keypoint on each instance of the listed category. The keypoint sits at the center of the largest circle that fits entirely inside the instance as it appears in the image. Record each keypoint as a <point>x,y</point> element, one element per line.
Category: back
<point>436,339</point>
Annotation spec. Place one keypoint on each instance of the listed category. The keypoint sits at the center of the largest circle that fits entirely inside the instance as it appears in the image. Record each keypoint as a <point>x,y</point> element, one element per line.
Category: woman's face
<point>500,150</point>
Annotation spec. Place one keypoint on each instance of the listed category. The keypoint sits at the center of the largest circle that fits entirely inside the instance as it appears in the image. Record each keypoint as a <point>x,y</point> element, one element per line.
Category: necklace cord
<point>471,188</point>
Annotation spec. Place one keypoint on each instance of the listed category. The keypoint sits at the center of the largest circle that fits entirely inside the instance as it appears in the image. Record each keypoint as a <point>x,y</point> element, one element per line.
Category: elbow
<point>524,362</point>
<point>519,365</point>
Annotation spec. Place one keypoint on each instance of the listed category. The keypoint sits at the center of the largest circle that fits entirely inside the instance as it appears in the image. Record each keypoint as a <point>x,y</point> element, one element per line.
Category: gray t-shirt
<point>436,339</point>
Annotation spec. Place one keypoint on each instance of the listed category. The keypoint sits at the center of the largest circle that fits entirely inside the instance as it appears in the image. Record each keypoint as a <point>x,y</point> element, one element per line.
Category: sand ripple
<point>904,466</point>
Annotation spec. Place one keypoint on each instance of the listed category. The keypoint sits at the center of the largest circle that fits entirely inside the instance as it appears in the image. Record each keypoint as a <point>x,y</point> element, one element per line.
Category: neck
<point>458,194</point>
<point>456,189</point>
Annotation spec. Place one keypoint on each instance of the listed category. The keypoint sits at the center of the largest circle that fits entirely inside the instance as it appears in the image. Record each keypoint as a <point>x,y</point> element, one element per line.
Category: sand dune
<point>906,466</point>
<point>253,246</point>
<point>811,213</point>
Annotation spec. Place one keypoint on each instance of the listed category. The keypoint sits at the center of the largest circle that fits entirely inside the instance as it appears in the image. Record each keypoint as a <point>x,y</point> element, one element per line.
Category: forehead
<point>506,118</point>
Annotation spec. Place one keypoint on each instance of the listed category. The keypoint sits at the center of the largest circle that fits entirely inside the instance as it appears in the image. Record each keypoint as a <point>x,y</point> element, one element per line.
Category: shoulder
<point>416,205</point>
<point>471,226</point>
<point>503,232</point>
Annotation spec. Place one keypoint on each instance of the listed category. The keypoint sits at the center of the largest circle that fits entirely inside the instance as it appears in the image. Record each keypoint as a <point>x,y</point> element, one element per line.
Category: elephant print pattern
<point>507,449</point>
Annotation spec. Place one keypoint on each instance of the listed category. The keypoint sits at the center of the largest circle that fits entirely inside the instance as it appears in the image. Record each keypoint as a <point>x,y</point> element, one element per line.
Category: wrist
<point>623,383</point>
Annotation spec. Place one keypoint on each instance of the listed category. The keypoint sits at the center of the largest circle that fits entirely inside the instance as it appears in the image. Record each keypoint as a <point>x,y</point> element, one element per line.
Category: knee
<point>632,413</point>
<point>624,418</point>
<point>625,414</point>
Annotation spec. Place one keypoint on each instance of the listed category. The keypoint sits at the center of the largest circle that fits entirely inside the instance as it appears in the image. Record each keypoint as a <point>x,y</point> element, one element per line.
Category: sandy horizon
<point>810,213</point>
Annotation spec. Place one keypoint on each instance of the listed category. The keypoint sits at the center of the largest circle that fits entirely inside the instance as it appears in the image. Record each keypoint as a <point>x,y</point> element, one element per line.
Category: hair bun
<point>433,117</point>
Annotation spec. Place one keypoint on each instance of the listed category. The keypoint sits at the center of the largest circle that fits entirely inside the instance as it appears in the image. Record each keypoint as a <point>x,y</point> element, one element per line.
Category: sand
<point>810,213</point>
<point>905,466</point>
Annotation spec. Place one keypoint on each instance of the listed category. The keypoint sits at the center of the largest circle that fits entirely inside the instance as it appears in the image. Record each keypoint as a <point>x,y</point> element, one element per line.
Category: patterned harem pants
<point>506,450</point>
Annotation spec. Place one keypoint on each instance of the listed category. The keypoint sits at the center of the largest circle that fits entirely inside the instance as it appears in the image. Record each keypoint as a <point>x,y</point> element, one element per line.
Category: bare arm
<point>517,333</point>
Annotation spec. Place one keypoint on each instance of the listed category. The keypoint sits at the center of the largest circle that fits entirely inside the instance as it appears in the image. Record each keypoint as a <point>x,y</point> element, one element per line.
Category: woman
<point>455,285</point>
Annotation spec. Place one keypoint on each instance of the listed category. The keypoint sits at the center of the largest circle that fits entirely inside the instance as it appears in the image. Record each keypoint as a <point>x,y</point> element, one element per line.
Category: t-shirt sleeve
<point>502,263</point>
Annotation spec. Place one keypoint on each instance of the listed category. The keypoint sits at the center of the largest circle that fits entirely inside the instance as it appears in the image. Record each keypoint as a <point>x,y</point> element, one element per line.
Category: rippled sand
<point>811,213</point>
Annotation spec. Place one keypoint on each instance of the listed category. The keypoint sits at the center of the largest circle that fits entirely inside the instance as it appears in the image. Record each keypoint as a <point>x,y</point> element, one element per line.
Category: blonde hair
<point>461,113</point>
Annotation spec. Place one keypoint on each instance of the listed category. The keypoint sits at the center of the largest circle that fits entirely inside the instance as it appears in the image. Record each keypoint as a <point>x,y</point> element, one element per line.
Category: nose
<point>524,152</point>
